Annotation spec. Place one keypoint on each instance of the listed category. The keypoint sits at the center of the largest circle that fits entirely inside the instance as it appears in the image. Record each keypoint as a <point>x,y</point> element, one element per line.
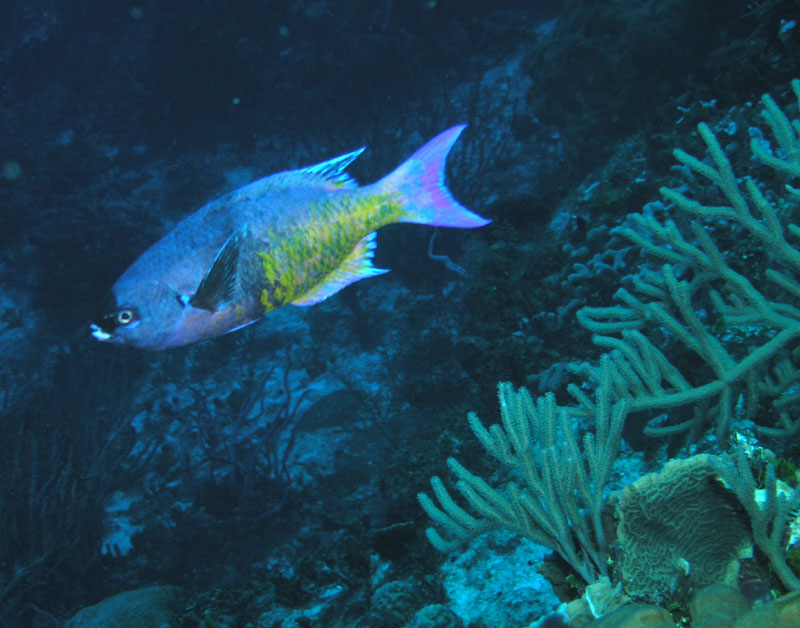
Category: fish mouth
<point>101,335</point>
<point>104,325</point>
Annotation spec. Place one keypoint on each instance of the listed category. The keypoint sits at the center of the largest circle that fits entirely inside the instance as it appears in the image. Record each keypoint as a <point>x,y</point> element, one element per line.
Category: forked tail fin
<point>419,181</point>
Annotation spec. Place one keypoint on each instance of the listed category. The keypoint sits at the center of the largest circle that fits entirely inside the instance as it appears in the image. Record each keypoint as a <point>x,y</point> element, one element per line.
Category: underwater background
<point>280,476</point>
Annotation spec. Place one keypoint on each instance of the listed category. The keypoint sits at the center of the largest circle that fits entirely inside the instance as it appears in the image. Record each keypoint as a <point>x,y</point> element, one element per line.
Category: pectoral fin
<point>219,284</point>
<point>357,265</point>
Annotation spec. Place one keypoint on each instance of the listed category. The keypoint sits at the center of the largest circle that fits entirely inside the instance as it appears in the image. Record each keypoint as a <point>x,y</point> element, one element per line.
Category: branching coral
<point>713,297</point>
<point>562,481</point>
<point>693,302</point>
<point>769,517</point>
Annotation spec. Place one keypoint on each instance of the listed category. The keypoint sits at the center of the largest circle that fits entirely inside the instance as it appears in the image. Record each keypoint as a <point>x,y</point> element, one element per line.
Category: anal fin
<point>357,265</point>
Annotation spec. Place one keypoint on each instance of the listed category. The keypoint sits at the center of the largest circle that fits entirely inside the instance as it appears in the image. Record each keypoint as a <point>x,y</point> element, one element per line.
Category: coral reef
<point>689,300</point>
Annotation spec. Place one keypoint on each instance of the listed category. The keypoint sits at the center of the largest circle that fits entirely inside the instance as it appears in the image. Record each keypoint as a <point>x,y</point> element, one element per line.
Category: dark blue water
<point>270,477</point>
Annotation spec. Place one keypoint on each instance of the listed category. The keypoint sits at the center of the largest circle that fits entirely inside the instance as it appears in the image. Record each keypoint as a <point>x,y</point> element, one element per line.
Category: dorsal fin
<point>333,170</point>
<point>357,265</point>
<point>219,284</point>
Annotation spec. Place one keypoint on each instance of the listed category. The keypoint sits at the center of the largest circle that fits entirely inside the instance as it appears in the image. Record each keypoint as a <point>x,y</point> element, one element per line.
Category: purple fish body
<point>294,237</point>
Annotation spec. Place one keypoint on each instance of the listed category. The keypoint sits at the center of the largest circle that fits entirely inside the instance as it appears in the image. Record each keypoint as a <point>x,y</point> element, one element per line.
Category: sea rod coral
<point>700,299</point>
<point>697,300</point>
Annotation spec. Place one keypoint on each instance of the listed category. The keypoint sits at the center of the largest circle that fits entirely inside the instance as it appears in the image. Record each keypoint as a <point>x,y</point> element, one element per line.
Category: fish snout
<point>113,318</point>
<point>100,334</point>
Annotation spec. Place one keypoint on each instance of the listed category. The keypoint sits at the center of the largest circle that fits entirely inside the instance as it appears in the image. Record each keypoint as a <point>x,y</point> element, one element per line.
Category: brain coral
<point>679,526</point>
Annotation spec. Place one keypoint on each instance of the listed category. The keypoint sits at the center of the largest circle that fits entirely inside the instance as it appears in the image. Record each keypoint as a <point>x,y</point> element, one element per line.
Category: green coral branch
<point>770,517</point>
<point>694,298</point>
<point>561,502</point>
<point>662,303</point>
<point>787,133</point>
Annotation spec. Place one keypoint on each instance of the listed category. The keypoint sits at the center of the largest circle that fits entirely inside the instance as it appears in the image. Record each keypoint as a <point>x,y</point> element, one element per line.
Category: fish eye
<point>125,317</point>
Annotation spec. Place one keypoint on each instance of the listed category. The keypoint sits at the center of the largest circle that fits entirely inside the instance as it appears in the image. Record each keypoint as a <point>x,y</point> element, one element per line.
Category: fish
<point>294,237</point>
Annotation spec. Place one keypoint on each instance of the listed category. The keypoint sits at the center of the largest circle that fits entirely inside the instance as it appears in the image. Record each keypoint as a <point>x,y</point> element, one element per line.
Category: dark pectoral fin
<point>219,284</point>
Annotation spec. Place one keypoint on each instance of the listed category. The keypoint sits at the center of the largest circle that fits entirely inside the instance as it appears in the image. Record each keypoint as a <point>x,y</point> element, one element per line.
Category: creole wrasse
<point>294,237</point>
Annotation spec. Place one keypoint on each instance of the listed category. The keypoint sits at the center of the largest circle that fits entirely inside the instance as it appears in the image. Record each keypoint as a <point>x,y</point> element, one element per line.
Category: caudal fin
<point>420,182</point>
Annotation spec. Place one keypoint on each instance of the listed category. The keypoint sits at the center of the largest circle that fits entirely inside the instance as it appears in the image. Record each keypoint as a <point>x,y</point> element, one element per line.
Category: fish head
<point>159,317</point>
<point>148,319</point>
